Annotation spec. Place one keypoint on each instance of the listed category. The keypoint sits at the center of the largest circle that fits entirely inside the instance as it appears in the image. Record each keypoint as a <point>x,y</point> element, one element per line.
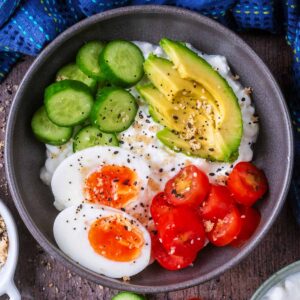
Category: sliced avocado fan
<point>194,102</point>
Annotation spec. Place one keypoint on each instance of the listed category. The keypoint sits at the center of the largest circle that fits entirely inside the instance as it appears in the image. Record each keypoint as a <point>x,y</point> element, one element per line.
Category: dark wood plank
<point>40,277</point>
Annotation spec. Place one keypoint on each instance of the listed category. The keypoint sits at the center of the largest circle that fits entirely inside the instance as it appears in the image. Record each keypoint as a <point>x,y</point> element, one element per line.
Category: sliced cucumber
<point>99,89</point>
<point>46,131</point>
<point>114,110</point>
<point>128,296</point>
<point>101,85</point>
<point>90,136</point>
<point>68,102</point>
<point>122,63</point>
<point>87,59</point>
<point>71,71</point>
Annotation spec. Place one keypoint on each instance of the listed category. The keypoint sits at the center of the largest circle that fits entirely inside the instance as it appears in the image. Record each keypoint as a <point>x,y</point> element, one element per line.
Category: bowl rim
<point>54,251</point>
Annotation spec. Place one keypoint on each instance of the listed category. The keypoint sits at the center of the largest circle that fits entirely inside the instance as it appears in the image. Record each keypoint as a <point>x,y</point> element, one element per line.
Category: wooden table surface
<point>39,276</point>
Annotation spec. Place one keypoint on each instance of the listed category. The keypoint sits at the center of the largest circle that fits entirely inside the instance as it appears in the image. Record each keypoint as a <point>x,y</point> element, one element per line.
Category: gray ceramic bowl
<point>25,156</point>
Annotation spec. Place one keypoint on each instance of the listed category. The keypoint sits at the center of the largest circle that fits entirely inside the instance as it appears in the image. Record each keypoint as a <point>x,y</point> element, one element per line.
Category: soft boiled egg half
<point>103,239</point>
<point>109,176</point>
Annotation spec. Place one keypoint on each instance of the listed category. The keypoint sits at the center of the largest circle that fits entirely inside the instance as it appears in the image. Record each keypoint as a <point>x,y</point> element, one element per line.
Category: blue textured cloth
<point>27,26</point>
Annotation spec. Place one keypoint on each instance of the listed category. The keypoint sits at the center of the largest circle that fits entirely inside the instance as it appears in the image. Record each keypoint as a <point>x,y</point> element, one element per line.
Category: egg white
<point>71,228</point>
<point>69,177</point>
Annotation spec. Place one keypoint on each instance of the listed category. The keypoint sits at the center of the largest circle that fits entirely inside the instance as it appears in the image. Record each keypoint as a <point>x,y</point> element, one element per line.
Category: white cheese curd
<point>55,155</point>
<point>164,163</point>
<point>288,289</point>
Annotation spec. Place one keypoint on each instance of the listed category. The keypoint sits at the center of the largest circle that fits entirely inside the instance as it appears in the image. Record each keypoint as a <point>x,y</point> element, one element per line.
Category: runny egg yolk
<point>116,238</point>
<point>113,186</point>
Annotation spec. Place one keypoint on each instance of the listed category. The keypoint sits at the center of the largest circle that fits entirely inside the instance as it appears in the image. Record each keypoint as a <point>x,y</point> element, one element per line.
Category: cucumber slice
<point>114,110</point>
<point>101,85</point>
<point>128,296</point>
<point>87,59</point>
<point>122,63</point>
<point>99,89</point>
<point>46,131</point>
<point>71,71</point>
<point>68,102</point>
<point>90,136</point>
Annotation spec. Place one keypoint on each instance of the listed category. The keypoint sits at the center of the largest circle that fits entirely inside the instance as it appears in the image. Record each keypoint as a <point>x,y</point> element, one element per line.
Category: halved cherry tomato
<point>218,204</point>
<point>250,220</point>
<point>226,230</point>
<point>159,206</point>
<point>247,183</point>
<point>168,261</point>
<point>181,231</point>
<point>189,187</point>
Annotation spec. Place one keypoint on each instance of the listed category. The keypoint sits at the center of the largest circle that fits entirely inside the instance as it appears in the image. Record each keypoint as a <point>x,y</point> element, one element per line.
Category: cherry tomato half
<point>218,204</point>
<point>168,261</point>
<point>189,187</point>
<point>247,183</point>
<point>227,229</point>
<point>250,220</point>
<point>159,206</point>
<point>181,231</point>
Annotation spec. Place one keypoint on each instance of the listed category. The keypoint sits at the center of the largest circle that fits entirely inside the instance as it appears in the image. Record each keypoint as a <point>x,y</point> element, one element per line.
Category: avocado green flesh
<point>179,122</point>
<point>189,111</point>
<point>177,144</point>
<point>192,67</point>
<point>165,78</point>
<point>161,110</point>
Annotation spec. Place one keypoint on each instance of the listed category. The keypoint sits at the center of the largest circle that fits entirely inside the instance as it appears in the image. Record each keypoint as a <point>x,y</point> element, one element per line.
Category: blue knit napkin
<point>26,26</point>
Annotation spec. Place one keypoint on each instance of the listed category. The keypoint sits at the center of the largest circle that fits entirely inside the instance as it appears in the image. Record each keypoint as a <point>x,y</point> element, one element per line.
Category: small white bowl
<point>275,279</point>
<point>7,285</point>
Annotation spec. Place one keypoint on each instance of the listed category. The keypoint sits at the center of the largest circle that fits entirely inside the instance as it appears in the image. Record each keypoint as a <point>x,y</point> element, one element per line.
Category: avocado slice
<point>190,66</point>
<point>161,110</point>
<point>165,78</point>
<point>168,81</point>
<point>169,113</point>
<point>173,141</point>
<point>179,123</point>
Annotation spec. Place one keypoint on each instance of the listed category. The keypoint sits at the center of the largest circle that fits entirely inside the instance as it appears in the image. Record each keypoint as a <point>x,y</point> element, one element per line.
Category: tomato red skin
<point>181,231</point>
<point>250,220</point>
<point>159,207</point>
<point>218,203</point>
<point>223,234</point>
<point>247,183</point>
<point>167,261</point>
<point>196,183</point>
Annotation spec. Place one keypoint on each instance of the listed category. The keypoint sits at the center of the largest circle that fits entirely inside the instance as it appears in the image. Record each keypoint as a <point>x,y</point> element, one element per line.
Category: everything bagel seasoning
<point>3,243</point>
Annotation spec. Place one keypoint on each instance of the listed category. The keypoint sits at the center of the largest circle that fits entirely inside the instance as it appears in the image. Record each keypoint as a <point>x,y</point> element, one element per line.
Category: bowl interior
<point>25,156</point>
